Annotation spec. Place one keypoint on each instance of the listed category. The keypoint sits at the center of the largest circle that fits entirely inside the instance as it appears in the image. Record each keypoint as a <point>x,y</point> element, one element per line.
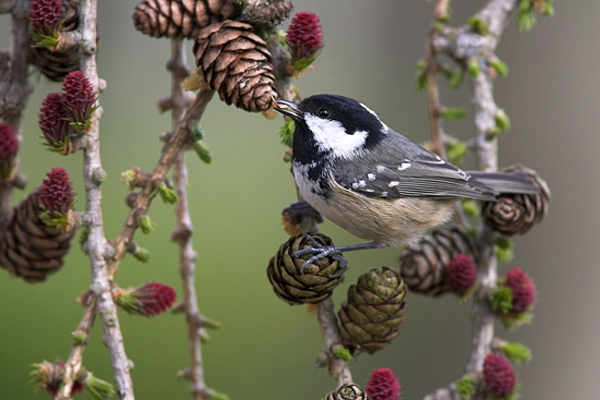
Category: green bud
<point>444,17</point>
<point>501,299</point>
<point>146,224</point>
<point>84,231</point>
<point>438,26</point>
<point>421,77</point>
<point>526,18</point>
<point>456,151</point>
<point>473,69</point>
<point>79,337</point>
<point>286,132</point>
<point>499,66</point>
<point>479,26</point>
<point>142,254</point>
<point>100,389</point>
<point>502,120</point>
<point>517,352</point>
<point>342,353</point>
<point>218,396</point>
<point>471,208</point>
<point>503,242</point>
<point>453,113</point>
<point>211,323</point>
<point>204,336</point>
<point>465,387</point>
<point>203,152</point>
<point>456,79</point>
<point>129,176</point>
<point>196,132</point>
<point>167,194</point>
<point>548,10</point>
<point>505,254</point>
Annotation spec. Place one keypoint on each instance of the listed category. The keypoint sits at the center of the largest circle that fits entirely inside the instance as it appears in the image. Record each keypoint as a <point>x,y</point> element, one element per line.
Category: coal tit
<point>374,182</point>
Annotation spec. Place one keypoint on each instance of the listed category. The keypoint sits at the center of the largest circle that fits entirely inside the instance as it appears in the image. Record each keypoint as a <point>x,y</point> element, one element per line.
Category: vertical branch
<point>184,230</point>
<point>438,136</point>
<point>464,45</point>
<point>434,106</point>
<point>331,337</point>
<point>14,91</point>
<point>75,361</point>
<point>96,246</point>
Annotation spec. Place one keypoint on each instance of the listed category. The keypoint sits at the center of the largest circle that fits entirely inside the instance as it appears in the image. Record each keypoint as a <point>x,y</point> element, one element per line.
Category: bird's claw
<point>320,252</point>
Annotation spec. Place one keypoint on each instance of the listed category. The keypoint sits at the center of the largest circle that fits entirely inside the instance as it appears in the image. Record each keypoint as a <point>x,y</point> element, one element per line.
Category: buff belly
<point>389,222</point>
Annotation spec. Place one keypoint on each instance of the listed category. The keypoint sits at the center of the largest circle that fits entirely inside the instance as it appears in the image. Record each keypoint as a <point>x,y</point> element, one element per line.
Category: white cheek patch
<point>331,136</point>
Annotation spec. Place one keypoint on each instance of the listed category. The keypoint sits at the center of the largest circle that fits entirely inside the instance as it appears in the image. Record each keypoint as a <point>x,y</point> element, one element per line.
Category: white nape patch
<point>404,166</point>
<point>332,136</point>
<point>371,177</point>
<point>393,184</point>
<point>384,127</point>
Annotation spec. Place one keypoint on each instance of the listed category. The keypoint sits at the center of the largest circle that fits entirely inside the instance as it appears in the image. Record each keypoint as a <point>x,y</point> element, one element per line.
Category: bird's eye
<point>324,113</point>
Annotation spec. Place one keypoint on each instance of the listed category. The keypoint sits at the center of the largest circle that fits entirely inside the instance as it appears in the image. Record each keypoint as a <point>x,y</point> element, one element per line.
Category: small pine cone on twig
<point>313,284</point>
<point>514,213</point>
<point>236,63</point>
<point>181,18</point>
<point>374,311</point>
<point>29,248</point>
<point>348,391</point>
<point>55,65</point>
<point>39,230</point>
<point>423,265</point>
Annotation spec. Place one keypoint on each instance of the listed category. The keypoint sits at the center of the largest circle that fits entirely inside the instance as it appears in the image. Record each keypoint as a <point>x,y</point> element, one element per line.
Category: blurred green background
<point>267,349</point>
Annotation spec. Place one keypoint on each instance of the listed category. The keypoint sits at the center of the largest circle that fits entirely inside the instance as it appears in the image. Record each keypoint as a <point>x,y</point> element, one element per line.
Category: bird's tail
<point>506,182</point>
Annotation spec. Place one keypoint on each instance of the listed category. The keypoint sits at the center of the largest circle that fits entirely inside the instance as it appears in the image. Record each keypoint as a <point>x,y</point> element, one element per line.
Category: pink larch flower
<point>56,193</point>
<point>304,39</point>
<point>523,289</point>
<point>498,375</point>
<point>9,145</point>
<point>148,300</point>
<point>78,99</point>
<point>461,273</point>
<point>383,385</point>
<point>46,17</point>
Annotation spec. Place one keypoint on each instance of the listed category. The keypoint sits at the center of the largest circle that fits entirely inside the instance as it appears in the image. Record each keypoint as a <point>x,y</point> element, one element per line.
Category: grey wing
<point>425,175</point>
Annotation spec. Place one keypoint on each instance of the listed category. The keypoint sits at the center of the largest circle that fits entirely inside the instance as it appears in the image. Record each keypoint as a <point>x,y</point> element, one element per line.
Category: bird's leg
<point>321,252</point>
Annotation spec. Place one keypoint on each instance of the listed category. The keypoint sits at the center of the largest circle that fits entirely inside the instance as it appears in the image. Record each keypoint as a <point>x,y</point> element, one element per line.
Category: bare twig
<point>96,245</point>
<point>14,89</point>
<point>331,337</point>
<point>75,361</point>
<point>184,229</point>
<point>174,145</point>
<point>438,135</point>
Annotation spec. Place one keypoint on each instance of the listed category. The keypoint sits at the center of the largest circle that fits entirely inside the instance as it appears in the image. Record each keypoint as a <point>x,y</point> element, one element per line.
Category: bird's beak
<point>289,108</point>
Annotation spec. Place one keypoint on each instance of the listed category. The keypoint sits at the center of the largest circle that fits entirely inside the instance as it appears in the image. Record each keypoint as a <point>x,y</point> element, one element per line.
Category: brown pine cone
<point>315,283</point>
<point>181,18</point>
<point>374,311</point>
<point>28,247</point>
<point>514,213</point>
<point>423,264</point>
<point>55,65</point>
<point>236,63</point>
<point>347,391</point>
